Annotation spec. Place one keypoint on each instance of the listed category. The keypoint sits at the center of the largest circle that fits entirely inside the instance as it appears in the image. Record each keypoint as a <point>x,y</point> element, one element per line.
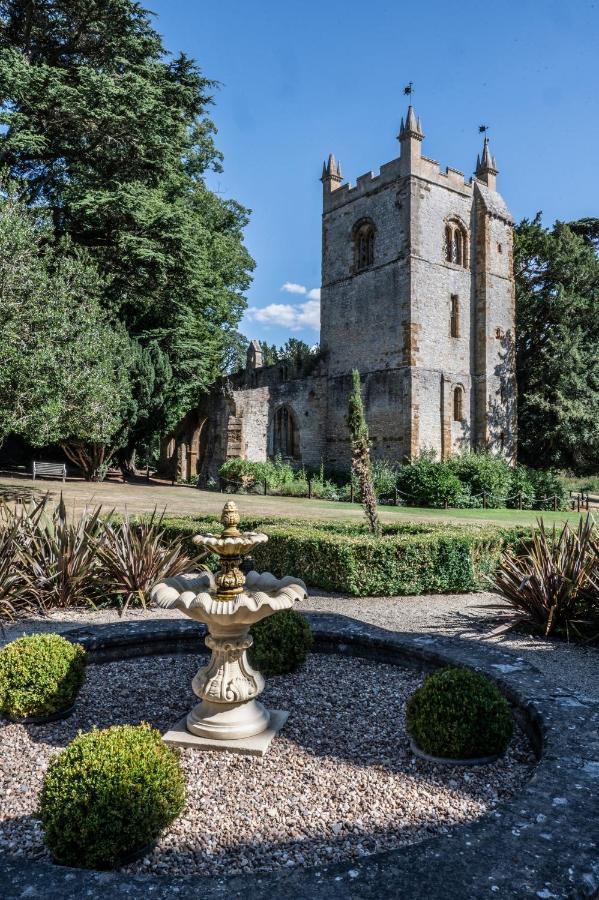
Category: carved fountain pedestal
<point>229,717</point>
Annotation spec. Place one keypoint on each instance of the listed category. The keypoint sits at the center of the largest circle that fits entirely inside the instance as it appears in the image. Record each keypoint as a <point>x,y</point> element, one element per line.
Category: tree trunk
<point>90,458</point>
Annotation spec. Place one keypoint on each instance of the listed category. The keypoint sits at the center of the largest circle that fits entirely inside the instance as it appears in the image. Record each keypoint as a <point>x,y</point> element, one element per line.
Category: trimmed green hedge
<point>409,558</point>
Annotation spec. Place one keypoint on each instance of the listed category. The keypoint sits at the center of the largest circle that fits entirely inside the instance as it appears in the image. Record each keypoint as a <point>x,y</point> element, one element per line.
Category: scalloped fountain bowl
<point>229,717</point>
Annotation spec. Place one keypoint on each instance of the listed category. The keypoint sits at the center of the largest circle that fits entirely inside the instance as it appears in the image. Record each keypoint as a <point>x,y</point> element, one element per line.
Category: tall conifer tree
<point>108,133</point>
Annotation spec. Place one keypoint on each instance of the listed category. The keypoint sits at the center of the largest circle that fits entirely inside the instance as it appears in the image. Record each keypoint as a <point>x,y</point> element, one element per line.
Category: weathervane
<point>482,129</point>
<point>409,89</point>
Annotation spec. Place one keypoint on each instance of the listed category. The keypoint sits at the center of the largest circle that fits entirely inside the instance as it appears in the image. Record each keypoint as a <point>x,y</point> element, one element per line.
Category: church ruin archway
<point>286,435</point>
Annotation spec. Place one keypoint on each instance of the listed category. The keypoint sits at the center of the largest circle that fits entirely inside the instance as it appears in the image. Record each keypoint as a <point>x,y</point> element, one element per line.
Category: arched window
<point>457,247</point>
<point>458,404</point>
<point>456,244</point>
<point>363,245</point>
<point>448,243</point>
<point>200,443</point>
<point>454,326</point>
<point>286,434</point>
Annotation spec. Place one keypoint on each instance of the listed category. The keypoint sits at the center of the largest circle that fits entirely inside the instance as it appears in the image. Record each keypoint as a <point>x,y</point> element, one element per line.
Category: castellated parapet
<point>418,295</point>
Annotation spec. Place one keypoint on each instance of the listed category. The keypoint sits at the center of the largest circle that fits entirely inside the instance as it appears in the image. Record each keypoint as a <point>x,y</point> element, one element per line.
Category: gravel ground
<point>463,615</point>
<point>339,781</point>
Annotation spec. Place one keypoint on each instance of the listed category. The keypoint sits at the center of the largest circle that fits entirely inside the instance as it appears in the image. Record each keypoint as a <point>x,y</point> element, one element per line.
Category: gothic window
<point>458,404</point>
<point>455,316</point>
<point>286,434</point>
<point>456,244</point>
<point>363,245</point>
<point>448,244</point>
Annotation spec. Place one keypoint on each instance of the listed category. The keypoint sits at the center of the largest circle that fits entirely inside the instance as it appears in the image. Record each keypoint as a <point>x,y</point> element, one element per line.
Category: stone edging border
<point>543,843</point>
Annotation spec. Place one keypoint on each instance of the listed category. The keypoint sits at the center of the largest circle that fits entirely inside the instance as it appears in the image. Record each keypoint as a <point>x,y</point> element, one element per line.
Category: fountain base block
<point>255,745</point>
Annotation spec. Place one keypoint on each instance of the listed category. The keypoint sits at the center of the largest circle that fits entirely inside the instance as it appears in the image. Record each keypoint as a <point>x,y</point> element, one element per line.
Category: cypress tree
<point>360,443</point>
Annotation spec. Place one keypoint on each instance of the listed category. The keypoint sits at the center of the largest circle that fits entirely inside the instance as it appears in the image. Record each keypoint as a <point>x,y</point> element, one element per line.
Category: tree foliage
<point>65,367</point>
<point>358,429</point>
<point>293,351</point>
<point>110,135</point>
<point>557,333</point>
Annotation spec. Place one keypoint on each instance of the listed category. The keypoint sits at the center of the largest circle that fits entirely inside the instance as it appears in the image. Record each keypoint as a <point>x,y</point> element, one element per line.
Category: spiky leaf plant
<point>135,555</point>
<point>59,556</point>
<point>554,585</point>
<point>14,598</point>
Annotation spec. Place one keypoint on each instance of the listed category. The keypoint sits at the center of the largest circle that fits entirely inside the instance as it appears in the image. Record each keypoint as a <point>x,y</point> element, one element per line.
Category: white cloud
<point>314,294</point>
<point>290,287</point>
<point>288,315</point>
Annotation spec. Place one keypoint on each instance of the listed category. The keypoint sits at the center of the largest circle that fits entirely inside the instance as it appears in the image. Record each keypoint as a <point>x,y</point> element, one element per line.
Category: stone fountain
<point>229,717</point>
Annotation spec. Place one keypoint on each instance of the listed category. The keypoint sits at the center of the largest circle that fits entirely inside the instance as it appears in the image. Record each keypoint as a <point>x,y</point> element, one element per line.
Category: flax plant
<point>59,556</point>
<point>134,556</point>
<point>554,585</point>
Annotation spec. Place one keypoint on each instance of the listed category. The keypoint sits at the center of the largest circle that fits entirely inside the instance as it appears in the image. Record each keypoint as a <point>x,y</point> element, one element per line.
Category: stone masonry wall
<point>391,321</point>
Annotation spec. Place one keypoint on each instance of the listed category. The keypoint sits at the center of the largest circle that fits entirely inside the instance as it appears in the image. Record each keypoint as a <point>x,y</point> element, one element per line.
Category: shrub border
<point>543,842</point>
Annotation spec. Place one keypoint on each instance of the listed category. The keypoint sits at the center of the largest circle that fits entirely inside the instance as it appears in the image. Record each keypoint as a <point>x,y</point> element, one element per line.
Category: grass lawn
<point>181,500</point>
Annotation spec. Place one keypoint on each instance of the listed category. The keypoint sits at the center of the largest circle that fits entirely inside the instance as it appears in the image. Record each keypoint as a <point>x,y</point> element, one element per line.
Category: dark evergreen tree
<point>109,134</point>
<point>360,444</point>
<point>557,335</point>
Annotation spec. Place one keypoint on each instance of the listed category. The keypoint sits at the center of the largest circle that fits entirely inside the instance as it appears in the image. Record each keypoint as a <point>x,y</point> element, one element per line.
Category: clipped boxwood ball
<point>281,642</point>
<point>459,714</point>
<point>108,794</point>
<point>39,675</point>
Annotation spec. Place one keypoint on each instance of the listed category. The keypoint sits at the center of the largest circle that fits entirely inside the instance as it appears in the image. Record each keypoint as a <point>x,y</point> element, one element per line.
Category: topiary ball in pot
<point>281,642</point>
<point>108,794</point>
<point>40,675</point>
<point>459,714</point>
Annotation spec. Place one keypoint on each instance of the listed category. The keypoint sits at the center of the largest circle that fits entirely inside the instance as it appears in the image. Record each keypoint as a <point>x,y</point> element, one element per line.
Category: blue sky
<point>302,79</point>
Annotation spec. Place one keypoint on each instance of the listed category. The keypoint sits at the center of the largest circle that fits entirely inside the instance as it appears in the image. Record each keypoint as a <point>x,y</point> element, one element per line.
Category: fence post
<point>396,497</point>
<point>309,488</point>
<point>484,499</point>
<point>265,487</point>
<point>220,484</point>
<point>555,503</point>
<point>446,503</point>
<point>578,503</point>
<point>519,499</point>
<point>351,492</point>
<point>587,501</point>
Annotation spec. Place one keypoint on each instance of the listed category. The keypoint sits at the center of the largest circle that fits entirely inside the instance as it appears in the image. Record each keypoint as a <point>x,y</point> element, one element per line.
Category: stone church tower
<point>418,295</point>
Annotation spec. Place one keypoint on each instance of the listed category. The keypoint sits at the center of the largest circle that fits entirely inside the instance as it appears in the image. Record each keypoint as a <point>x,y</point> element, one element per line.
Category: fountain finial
<point>230,518</point>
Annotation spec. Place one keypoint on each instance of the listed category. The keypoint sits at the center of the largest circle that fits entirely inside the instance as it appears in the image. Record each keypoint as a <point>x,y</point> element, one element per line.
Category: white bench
<point>48,469</point>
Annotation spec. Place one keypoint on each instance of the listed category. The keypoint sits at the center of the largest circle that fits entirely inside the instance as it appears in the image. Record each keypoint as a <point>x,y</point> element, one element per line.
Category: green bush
<point>281,642</point>
<point>548,485</point>
<point>427,482</point>
<point>108,794</point>
<point>39,675</point>
<point>483,473</point>
<point>522,489</point>
<point>459,714</point>
<point>409,558</point>
<point>279,477</point>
